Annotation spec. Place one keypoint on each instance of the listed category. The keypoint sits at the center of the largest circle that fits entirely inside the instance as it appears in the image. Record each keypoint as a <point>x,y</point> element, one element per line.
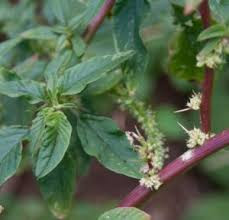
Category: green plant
<point>48,66</point>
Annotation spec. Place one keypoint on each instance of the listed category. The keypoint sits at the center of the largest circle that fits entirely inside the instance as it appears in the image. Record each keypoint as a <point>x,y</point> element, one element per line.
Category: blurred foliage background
<point>201,194</point>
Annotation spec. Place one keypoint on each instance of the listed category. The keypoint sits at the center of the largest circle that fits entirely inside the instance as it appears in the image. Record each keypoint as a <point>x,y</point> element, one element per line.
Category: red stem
<point>207,87</point>
<point>205,13</point>
<point>177,167</point>
<point>205,108</point>
<point>98,20</point>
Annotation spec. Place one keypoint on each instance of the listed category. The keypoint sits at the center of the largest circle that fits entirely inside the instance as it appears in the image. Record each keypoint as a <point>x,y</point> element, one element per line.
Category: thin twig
<point>207,87</point>
<point>98,20</point>
<point>177,167</point>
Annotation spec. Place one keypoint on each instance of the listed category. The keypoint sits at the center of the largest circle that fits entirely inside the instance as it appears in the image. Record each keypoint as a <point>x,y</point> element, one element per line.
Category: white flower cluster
<point>193,103</point>
<point>211,59</point>
<point>196,137</point>
<point>152,181</point>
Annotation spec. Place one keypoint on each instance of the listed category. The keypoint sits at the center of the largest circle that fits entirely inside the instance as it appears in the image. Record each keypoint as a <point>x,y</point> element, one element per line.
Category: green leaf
<point>128,15</point>
<point>83,160</point>
<point>210,46</point>
<point>101,138</point>
<point>82,20</point>
<point>39,33</point>
<point>62,9</point>
<point>214,31</point>
<point>219,9</point>
<point>183,52</point>
<point>76,78</point>
<point>76,21</point>
<point>7,75</point>
<point>10,151</point>
<point>104,84</point>
<point>57,67</point>
<point>62,43</point>
<point>79,46</point>
<point>31,68</point>
<point>125,214</point>
<point>33,90</point>
<point>53,143</point>
<point>37,132</point>
<point>6,46</point>
<point>9,137</point>
<point>58,186</point>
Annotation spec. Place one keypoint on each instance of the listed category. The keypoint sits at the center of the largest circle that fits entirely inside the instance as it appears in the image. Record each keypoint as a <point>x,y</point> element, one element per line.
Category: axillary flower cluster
<point>193,103</point>
<point>214,57</point>
<point>150,146</point>
<point>196,136</point>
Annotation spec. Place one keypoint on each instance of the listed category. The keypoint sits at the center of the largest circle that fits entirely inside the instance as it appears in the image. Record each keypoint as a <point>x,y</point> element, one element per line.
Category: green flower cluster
<point>151,149</point>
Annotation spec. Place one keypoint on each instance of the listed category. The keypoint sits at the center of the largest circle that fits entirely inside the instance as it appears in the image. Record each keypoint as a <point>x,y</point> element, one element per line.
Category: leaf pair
<point>61,80</point>
<point>73,80</point>
<point>58,186</point>
<point>76,78</point>
<point>56,169</point>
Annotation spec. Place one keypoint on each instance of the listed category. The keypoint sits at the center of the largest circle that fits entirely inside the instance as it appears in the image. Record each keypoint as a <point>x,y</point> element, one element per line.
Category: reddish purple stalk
<point>207,87</point>
<point>177,167</point>
<point>205,108</point>
<point>98,20</point>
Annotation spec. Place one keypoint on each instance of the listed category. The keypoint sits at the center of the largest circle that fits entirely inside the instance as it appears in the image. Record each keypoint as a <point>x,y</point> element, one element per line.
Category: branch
<point>177,167</point>
<point>98,20</point>
<point>191,157</point>
<point>207,87</point>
